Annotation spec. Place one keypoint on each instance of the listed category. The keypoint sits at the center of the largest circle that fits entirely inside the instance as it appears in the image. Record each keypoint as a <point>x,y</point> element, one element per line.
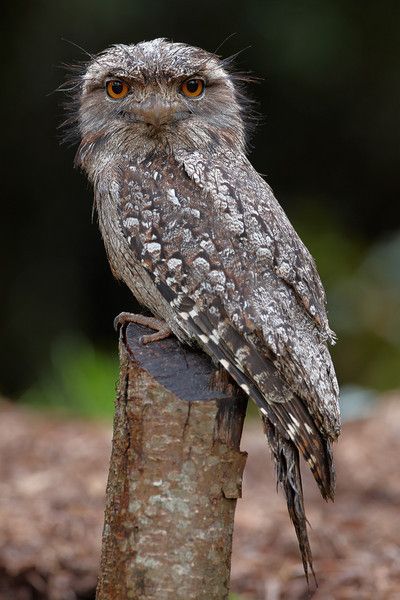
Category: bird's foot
<point>161,328</point>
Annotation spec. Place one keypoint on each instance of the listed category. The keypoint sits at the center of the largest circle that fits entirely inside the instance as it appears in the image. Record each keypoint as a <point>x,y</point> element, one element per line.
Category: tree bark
<point>175,475</point>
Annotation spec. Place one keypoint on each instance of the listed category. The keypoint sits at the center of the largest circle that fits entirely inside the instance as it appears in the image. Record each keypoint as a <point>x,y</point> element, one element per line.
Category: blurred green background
<point>328,144</point>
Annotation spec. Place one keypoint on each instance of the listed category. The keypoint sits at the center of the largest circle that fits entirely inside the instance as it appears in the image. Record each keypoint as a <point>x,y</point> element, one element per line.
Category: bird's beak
<point>155,111</point>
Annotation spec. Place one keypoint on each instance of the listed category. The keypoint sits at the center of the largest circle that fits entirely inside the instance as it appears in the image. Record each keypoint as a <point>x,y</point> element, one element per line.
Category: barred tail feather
<point>316,450</point>
<point>287,463</point>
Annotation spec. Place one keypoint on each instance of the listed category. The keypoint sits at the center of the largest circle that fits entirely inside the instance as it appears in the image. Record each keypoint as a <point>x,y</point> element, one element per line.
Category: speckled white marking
<point>217,277</point>
<point>174,263</point>
<point>215,336</point>
<point>242,354</point>
<point>201,264</point>
<point>308,428</point>
<point>153,248</point>
<point>225,363</point>
<point>130,222</point>
<point>171,195</point>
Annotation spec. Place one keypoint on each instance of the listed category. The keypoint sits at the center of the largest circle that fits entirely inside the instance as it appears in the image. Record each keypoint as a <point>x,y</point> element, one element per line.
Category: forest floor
<point>52,481</point>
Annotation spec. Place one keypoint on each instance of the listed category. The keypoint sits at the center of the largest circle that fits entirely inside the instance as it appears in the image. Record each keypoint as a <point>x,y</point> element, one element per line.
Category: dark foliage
<point>328,145</point>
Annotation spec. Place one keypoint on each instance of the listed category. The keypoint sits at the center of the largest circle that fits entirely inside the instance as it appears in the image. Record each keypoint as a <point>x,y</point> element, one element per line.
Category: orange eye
<point>117,89</point>
<point>192,88</point>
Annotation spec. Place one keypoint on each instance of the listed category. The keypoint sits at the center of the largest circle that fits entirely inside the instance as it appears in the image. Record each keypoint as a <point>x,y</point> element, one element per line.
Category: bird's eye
<point>117,89</point>
<point>192,88</point>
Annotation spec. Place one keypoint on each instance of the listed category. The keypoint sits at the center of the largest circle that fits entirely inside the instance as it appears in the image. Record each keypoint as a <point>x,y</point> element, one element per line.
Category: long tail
<point>286,458</point>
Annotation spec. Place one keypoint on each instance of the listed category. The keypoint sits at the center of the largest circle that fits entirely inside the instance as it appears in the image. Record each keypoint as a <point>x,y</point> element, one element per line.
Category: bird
<point>197,235</point>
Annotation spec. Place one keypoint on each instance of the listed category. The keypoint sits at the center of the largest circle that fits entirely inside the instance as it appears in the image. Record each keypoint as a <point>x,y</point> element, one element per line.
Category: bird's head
<point>134,99</point>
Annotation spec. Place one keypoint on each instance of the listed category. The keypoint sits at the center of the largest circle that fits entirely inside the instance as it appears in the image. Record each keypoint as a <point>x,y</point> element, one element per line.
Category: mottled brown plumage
<point>201,241</point>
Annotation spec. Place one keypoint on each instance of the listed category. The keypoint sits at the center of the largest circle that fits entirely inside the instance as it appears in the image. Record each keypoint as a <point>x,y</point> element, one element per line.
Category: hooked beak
<point>156,111</point>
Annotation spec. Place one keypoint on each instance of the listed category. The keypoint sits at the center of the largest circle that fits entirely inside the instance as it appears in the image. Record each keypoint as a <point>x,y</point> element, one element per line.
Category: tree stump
<point>175,475</point>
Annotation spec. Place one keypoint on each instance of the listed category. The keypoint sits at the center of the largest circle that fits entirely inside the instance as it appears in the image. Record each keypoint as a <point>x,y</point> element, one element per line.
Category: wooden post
<point>175,475</point>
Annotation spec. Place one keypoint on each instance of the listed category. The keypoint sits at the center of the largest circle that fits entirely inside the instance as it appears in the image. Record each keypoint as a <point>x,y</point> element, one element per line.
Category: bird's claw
<point>162,331</point>
<point>118,322</point>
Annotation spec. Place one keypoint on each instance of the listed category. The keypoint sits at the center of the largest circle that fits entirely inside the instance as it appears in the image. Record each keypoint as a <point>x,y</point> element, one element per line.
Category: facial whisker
<point>228,37</point>
<point>91,56</point>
